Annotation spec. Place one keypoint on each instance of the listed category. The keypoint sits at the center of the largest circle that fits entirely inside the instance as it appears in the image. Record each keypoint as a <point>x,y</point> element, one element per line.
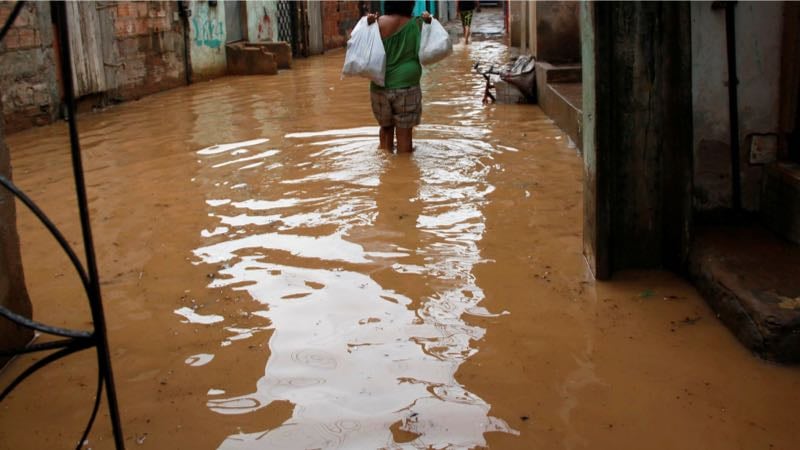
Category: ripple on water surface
<point>363,261</point>
<point>355,356</point>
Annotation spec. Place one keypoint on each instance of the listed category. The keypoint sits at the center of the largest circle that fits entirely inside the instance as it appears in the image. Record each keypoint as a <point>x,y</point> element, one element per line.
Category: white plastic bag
<point>435,44</point>
<point>365,55</point>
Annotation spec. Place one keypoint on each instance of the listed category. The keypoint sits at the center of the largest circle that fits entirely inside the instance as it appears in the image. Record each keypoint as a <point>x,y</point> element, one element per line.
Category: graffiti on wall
<point>208,30</point>
<point>264,28</point>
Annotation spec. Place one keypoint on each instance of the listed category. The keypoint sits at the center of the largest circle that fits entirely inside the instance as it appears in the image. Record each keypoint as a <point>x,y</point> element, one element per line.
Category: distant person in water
<point>465,10</point>
<point>398,103</point>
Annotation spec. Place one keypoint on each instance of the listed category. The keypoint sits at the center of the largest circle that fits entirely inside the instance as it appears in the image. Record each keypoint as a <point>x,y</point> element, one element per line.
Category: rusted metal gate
<point>300,29</point>
<point>293,25</point>
<point>284,21</point>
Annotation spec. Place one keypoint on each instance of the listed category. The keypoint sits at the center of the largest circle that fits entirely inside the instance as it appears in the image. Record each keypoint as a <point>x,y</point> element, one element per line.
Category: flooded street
<point>273,280</point>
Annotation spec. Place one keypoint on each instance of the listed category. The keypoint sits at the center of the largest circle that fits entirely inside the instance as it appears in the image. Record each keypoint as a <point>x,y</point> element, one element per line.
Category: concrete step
<point>751,279</point>
<point>244,59</point>
<point>560,95</point>
<point>281,50</point>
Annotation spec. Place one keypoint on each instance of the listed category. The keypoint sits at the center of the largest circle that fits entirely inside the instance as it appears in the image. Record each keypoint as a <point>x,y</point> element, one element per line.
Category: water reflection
<point>363,261</point>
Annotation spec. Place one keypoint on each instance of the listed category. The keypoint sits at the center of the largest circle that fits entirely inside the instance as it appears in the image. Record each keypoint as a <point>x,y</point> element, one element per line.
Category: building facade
<point>124,50</point>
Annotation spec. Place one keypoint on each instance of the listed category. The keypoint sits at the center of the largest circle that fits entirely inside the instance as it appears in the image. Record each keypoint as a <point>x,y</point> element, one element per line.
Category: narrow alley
<point>273,280</point>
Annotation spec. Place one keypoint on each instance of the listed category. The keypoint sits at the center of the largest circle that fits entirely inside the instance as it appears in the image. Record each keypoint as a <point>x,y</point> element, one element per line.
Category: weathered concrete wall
<point>338,19</point>
<point>150,42</point>
<point>780,201</point>
<point>443,11</point>
<point>558,39</point>
<point>517,23</point>
<point>13,294</point>
<point>28,83</point>
<point>758,54</point>
<point>530,26</point>
<point>207,31</point>
<point>637,135</point>
<point>262,21</point>
<point>316,45</point>
<point>548,30</point>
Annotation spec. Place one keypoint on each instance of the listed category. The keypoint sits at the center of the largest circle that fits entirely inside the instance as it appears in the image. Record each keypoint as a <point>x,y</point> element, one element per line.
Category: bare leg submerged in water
<point>405,143</point>
<point>404,140</point>
<point>387,138</point>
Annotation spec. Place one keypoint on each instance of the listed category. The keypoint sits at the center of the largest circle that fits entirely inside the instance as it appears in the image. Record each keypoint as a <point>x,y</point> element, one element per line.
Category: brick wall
<point>150,47</point>
<point>28,86</point>
<point>338,18</point>
<point>143,48</point>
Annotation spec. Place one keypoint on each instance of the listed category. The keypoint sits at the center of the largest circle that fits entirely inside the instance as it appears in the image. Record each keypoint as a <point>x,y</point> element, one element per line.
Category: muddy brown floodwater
<point>272,280</point>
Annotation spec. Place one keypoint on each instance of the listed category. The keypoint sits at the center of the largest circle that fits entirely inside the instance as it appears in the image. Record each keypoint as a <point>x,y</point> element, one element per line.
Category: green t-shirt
<point>402,57</point>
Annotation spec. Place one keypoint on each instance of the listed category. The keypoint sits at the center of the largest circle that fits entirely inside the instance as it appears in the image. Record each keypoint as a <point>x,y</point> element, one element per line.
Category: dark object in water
<point>487,75</point>
<point>522,75</point>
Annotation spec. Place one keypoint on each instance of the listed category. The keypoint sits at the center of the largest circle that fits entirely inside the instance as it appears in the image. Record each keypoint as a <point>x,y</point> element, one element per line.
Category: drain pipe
<point>185,12</point>
<point>733,101</point>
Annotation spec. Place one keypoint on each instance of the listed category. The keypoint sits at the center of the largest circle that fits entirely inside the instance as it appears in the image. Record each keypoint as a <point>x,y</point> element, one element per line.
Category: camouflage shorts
<point>466,18</point>
<point>401,108</point>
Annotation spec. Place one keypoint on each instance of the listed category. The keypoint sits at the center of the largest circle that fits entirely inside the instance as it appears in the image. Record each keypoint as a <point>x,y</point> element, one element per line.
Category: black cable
<point>89,425</point>
<point>52,345</point>
<point>95,297</point>
<point>38,326</point>
<point>51,227</point>
<point>78,345</point>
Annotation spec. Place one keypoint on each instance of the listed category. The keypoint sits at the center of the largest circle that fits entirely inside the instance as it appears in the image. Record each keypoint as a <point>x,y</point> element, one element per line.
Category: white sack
<point>435,44</point>
<point>365,55</point>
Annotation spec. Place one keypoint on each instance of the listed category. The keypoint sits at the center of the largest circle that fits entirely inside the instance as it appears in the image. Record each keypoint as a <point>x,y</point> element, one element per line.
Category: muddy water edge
<point>272,280</point>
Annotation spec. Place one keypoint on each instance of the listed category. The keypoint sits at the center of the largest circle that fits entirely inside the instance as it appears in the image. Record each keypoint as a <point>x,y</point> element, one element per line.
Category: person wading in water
<point>398,103</point>
<point>465,10</point>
